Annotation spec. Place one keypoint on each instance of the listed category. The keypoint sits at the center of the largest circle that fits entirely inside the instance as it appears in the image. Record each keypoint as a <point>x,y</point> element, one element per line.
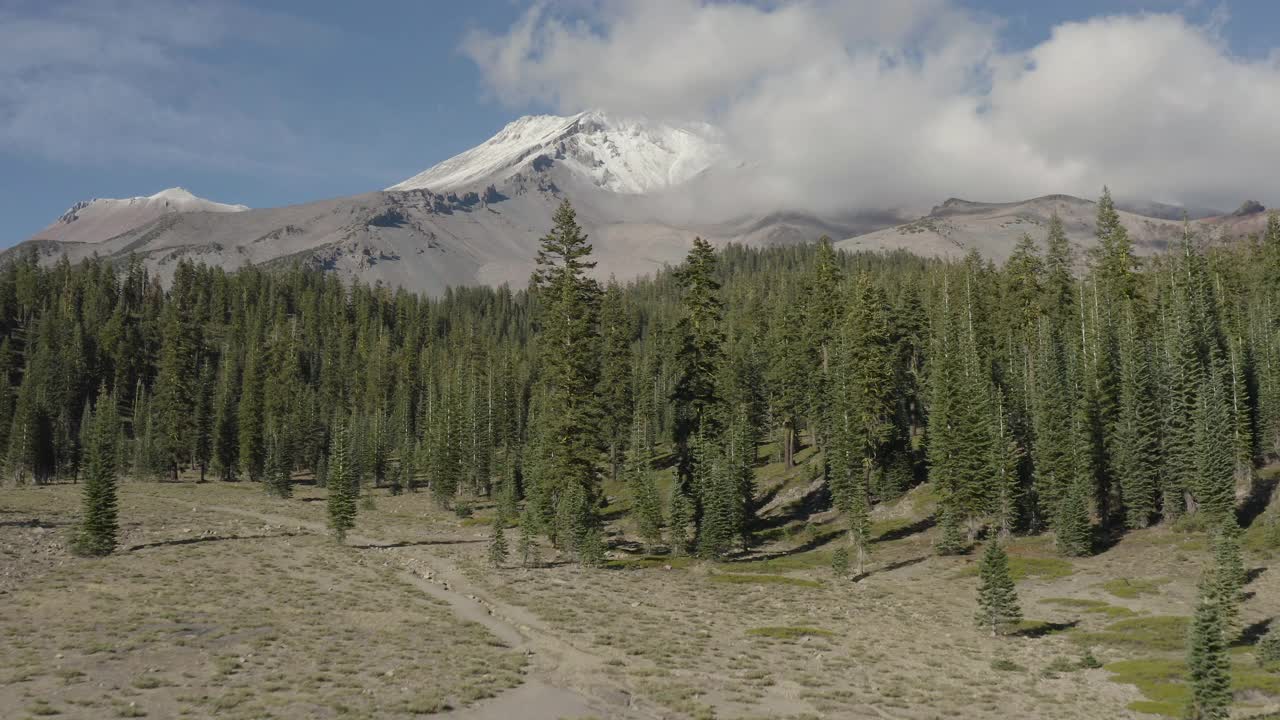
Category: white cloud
<point>858,102</point>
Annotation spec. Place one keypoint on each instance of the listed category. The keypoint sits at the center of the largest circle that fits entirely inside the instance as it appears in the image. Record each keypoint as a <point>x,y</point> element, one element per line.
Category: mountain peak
<point>622,155</point>
<point>173,193</point>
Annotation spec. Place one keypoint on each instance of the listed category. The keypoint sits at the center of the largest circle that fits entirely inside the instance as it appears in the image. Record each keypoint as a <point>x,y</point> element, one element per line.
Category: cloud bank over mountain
<point>842,102</point>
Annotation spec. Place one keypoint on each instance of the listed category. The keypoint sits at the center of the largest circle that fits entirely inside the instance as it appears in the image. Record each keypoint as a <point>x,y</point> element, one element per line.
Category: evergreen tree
<point>277,481</point>
<point>1269,649</point>
<point>615,388</point>
<point>951,539</point>
<point>570,367</point>
<point>226,436</point>
<point>997,595</point>
<point>1073,529</point>
<point>342,483</point>
<point>696,398</point>
<point>1208,665</point>
<point>497,542</point>
<point>249,415</point>
<point>646,504</point>
<point>98,526</point>
<point>681,517</point>
<point>6,395</point>
<point>529,553</point>
<point>1135,442</point>
<point>1228,574</point>
<point>1006,456</point>
<point>1214,484</point>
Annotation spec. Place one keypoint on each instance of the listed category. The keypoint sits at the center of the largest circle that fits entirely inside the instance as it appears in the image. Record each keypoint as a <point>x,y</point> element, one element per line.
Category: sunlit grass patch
<point>1087,605</point>
<point>1155,633</point>
<point>1130,588</point>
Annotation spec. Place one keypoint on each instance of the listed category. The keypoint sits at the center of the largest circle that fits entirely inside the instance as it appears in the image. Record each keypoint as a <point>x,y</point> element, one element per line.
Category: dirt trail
<point>557,685</point>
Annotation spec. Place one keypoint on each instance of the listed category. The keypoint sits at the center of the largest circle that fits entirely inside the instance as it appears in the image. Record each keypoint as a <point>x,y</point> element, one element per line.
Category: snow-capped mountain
<point>642,191</point>
<point>629,156</point>
<point>96,220</point>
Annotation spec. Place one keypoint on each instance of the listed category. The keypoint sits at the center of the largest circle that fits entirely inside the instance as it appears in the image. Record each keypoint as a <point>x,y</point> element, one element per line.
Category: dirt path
<point>563,682</point>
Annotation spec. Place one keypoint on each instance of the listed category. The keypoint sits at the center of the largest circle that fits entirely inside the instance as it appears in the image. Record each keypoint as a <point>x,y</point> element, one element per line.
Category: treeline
<point>1057,392</point>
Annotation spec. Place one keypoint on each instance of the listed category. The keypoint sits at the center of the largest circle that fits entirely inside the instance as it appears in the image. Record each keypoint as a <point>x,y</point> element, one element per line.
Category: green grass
<point>646,562</point>
<point>788,632</point>
<point>1023,567</point>
<point>754,579</point>
<point>1129,589</point>
<point>1160,680</point>
<point>1091,606</point>
<point>1156,633</point>
<point>1151,707</point>
<point>800,561</point>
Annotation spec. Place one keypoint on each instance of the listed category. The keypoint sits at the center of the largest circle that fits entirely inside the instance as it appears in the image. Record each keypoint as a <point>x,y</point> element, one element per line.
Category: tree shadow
<point>1258,500</point>
<point>813,543</point>
<point>1043,629</point>
<point>1106,537</point>
<point>210,538</point>
<point>897,565</point>
<point>1253,574</point>
<point>33,523</point>
<point>1253,632</point>
<point>811,503</point>
<point>918,526</point>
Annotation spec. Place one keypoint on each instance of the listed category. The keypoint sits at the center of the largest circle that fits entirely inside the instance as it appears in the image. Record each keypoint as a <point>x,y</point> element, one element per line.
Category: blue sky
<point>270,102</point>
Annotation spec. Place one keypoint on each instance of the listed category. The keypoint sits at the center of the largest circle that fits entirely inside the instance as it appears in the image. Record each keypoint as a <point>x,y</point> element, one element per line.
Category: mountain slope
<point>993,229</point>
<point>102,218</point>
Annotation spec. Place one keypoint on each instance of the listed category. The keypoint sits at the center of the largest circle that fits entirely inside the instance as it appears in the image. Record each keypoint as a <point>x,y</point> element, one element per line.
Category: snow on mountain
<point>620,155</point>
<point>101,218</point>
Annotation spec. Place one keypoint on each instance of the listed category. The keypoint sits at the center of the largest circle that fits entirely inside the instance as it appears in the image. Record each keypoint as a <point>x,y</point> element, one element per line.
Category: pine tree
<point>615,387</point>
<point>277,481</point>
<point>960,418</point>
<point>1208,665</point>
<point>1073,529</point>
<point>530,555</point>
<point>1006,456</point>
<point>997,595</point>
<point>226,444</point>
<point>1135,443</point>
<point>646,504</point>
<point>951,539</point>
<point>341,482</point>
<point>497,542</point>
<point>569,363</point>
<point>249,414</point>
<point>1269,649</point>
<point>1214,484</point>
<point>696,397</point>
<point>6,396</point>
<point>1228,574</point>
<point>681,517</point>
<point>98,527</point>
